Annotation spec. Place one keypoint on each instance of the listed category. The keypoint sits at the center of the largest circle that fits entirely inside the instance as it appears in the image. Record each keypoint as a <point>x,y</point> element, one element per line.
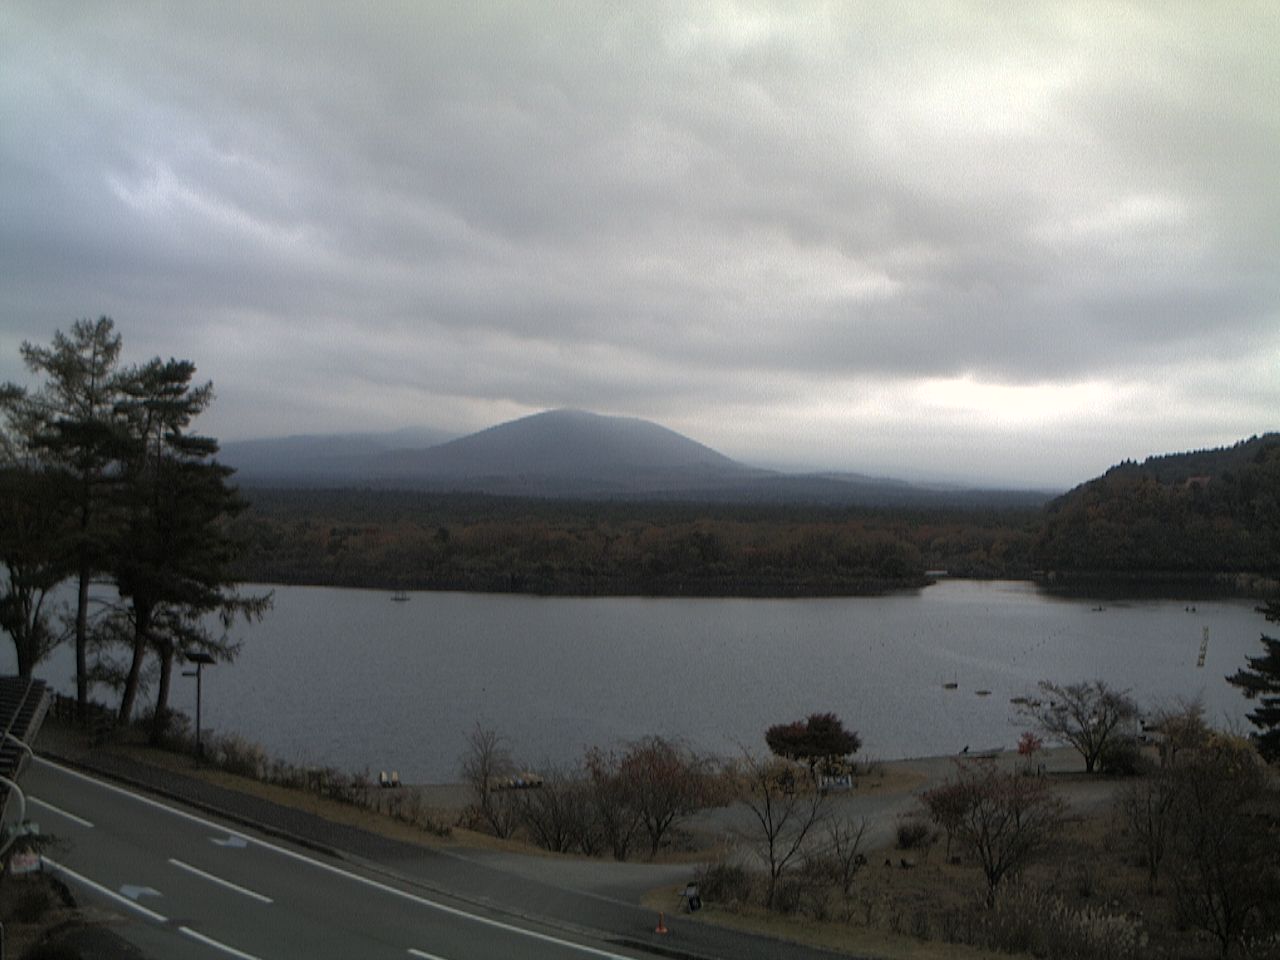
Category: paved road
<point>190,887</point>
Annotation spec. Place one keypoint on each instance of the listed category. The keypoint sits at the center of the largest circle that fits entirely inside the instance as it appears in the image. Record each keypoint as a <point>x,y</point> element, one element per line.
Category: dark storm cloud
<point>824,221</point>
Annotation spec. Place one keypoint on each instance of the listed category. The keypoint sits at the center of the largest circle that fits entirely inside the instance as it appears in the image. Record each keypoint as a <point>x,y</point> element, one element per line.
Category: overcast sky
<point>1012,241</point>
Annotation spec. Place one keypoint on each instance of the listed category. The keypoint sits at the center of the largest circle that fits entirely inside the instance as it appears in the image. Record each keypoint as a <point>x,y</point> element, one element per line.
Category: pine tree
<point>173,559</point>
<point>72,425</point>
<point>35,538</point>
<point>1261,681</point>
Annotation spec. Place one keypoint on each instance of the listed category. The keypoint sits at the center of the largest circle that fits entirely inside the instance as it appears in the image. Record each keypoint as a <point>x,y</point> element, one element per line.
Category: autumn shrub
<point>237,754</point>
<point>173,732</point>
<point>1024,919</point>
<point>556,815</point>
<point>1121,757</point>
<point>726,884</point>
<point>407,806</point>
<point>914,834</point>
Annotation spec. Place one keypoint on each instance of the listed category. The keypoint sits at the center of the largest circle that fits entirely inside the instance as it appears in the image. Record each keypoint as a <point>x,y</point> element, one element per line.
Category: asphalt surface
<point>237,876</point>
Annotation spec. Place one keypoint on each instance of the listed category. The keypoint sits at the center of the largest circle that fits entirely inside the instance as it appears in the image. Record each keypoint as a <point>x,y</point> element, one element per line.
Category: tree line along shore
<point>1130,530</point>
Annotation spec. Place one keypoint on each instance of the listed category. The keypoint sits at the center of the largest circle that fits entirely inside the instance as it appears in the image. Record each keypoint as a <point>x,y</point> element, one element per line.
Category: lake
<point>351,679</point>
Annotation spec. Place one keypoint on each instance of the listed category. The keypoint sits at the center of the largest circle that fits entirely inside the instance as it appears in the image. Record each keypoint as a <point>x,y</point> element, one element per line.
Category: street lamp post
<point>200,659</point>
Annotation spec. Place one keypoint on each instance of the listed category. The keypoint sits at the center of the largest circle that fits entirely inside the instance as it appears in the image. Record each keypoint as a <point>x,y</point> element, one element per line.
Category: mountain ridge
<point>574,454</point>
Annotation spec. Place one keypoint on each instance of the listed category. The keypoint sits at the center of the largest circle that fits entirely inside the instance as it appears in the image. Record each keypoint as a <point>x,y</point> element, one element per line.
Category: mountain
<point>566,452</point>
<point>572,454</point>
<point>320,458</point>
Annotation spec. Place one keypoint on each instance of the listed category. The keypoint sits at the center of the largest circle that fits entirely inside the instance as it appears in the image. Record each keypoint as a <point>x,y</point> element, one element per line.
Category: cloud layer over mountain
<point>1017,244</point>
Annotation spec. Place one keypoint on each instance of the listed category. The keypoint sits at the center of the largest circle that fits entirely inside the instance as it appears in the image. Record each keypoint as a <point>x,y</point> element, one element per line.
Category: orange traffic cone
<point>662,925</point>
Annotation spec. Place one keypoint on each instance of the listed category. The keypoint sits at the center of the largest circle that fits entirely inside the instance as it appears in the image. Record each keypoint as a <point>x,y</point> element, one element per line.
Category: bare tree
<point>1181,728</point>
<point>948,804</point>
<point>844,851</point>
<point>557,814</point>
<point>615,812</point>
<point>1007,820</point>
<point>1146,807</point>
<point>786,806</point>
<point>1088,716</point>
<point>486,763</point>
<point>667,782</point>
<point>1226,854</point>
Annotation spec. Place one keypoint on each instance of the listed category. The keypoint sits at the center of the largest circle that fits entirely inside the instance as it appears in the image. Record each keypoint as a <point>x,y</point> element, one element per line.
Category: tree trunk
<point>129,695</point>
<point>160,720</point>
<point>82,641</point>
<point>26,660</point>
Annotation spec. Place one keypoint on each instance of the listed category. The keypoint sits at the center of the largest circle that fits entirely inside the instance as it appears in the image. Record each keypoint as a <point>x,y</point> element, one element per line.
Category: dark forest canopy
<point>1210,511</point>
<point>402,539</point>
<point>1196,515</point>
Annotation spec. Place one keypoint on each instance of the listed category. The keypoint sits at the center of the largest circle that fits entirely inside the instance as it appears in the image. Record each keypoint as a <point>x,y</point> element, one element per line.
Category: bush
<point>913,834</point>
<point>175,733</point>
<point>725,883</point>
<point>236,754</point>
<point>31,903</point>
<point>1024,920</point>
<point>1121,758</point>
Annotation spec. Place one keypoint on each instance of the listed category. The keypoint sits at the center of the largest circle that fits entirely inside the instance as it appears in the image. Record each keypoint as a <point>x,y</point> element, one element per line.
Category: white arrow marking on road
<point>106,892</point>
<point>232,841</point>
<point>133,893</point>
<point>219,881</point>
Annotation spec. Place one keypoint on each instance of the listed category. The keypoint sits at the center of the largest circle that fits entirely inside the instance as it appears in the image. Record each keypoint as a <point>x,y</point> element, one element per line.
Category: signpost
<point>200,659</point>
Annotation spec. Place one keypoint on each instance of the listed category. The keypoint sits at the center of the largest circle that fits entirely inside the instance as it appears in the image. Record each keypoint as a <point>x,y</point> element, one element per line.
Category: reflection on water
<point>351,679</point>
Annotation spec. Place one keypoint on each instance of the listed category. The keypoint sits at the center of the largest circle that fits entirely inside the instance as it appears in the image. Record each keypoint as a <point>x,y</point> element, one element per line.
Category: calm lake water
<point>349,678</point>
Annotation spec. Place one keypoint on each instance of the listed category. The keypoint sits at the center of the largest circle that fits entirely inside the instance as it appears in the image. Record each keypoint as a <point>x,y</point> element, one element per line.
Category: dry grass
<point>866,941</point>
<point>907,914</point>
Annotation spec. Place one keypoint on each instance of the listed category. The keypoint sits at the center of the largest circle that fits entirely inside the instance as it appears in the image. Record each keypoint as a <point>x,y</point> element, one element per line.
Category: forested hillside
<point>400,539</point>
<point>1211,511</point>
<point>1194,516</point>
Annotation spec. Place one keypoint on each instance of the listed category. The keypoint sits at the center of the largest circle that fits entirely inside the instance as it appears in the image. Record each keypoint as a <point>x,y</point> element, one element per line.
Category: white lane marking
<point>219,881</point>
<point>423,954</point>
<point>60,812</point>
<point>338,871</point>
<point>216,944</point>
<point>233,843</point>
<point>93,885</point>
<point>146,801</point>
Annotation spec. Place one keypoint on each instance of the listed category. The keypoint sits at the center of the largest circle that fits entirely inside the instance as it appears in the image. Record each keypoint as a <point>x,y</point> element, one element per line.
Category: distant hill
<point>573,454</point>
<point>566,452</point>
<point>319,458</point>
<point>1206,511</point>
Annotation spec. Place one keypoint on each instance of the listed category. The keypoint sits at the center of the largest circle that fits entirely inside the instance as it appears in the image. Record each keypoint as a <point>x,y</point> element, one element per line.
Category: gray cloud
<point>743,219</point>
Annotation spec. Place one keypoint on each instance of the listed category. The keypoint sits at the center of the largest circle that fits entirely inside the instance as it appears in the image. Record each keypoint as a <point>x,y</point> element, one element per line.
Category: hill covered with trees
<point>406,539</point>
<point>1195,516</point>
<point>1189,514</point>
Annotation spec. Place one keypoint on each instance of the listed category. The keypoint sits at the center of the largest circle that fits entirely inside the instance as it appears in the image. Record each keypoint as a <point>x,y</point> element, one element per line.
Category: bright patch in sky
<point>1011,244</point>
